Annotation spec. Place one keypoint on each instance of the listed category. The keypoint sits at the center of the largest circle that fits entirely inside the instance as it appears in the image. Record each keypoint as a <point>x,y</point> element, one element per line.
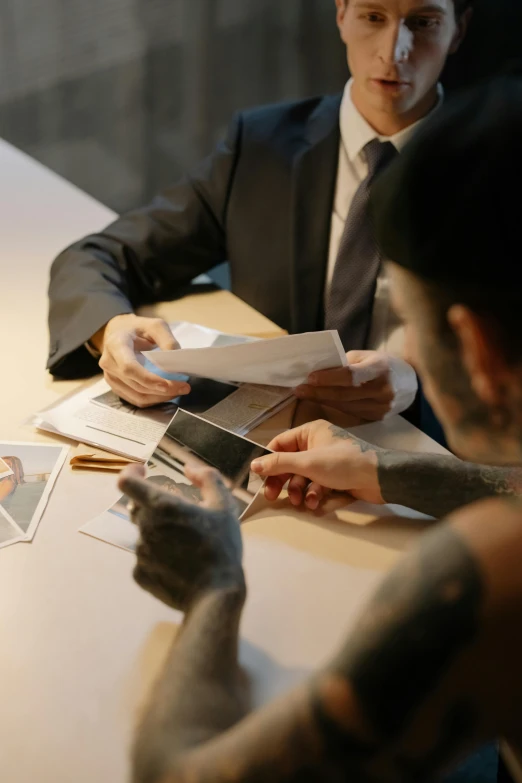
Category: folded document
<point>282,361</point>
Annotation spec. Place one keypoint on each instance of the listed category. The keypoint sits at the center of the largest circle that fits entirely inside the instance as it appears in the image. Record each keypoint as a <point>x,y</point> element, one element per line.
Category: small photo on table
<point>9,533</point>
<point>114,525</point>
<point>25,492</point>
<point>5,469</point>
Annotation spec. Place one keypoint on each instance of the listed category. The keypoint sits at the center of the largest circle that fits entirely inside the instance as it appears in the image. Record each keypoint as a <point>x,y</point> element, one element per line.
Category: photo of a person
<point>9,534</point>
<point>5,469</point>
<point>22,491</point>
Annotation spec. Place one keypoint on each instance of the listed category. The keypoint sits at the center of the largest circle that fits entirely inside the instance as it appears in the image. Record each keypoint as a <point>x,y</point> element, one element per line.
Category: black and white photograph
<point>190,438</point>
<point>24,493</point>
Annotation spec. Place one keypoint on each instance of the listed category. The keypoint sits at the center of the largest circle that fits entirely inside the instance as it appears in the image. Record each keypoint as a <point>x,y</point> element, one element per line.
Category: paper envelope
<point>90,458</point>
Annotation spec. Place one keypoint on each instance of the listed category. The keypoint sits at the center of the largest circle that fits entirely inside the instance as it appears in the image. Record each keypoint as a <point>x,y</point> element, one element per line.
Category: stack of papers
<point>236,383</point>
<point>98,417</point>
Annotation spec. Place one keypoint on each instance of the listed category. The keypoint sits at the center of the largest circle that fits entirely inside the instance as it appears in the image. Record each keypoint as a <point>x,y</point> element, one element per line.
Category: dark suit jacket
<point>261,201</point>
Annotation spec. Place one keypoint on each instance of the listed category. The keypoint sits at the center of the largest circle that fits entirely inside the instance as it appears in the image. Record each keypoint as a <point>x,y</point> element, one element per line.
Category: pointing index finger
<point>133,484</point>
<point>213,490</point>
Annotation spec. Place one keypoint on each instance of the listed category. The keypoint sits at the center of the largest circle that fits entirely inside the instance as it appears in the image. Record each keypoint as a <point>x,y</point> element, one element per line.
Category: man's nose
<point>397,44</point>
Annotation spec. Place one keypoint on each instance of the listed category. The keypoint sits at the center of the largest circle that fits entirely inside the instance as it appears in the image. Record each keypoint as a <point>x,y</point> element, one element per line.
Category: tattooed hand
<point>185,550</point>
<point>316,456</point>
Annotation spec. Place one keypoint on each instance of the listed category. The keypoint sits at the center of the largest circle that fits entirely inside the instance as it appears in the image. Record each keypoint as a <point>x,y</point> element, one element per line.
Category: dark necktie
<point>352,289</point>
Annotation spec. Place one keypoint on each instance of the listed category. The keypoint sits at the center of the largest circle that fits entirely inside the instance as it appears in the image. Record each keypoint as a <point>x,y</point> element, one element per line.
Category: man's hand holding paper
<point>121,342</point>
<point>368,385</point>
<point>318,457</point>
<point>373,385</point>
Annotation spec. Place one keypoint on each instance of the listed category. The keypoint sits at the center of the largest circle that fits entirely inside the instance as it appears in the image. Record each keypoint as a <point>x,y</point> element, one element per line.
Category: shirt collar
<point>356,132</point>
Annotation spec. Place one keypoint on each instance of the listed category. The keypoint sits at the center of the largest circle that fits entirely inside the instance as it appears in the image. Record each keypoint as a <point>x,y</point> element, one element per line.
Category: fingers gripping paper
<point>283,361</point>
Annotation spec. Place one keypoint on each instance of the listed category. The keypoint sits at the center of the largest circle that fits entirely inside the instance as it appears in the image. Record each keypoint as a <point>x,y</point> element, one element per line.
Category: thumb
<point>158,331</point>
<point>280,463</point>
<point>356,357</point>
<point>213,490</point>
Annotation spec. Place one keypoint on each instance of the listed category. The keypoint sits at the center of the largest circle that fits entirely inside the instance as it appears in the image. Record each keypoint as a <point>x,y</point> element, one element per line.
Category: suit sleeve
<point>146,256</point>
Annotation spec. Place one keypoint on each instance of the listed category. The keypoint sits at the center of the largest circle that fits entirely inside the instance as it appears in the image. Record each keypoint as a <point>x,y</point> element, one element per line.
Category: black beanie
<point>449,207</point>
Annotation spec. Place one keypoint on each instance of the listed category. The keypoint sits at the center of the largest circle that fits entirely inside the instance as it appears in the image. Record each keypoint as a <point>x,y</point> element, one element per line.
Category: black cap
<point>449,207</point>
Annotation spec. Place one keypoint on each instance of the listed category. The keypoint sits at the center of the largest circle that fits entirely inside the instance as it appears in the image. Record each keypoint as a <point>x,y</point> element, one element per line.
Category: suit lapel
<point>313,186</point>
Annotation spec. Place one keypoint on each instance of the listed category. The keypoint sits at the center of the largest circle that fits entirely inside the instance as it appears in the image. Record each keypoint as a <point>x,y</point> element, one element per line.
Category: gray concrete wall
<point>121,96</point>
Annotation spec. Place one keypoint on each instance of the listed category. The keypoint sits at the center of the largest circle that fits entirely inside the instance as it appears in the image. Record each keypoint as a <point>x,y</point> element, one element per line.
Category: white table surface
<point>80,642</point>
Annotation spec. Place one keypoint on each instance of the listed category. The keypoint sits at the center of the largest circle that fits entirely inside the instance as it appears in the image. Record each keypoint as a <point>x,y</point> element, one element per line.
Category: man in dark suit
<point>284,199</point>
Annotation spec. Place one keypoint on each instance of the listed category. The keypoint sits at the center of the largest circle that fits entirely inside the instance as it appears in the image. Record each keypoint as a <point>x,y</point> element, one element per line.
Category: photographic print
<point>191,438</point>
<point>188,439</point>
<point>24,493</point>
<point>5,469</point>
<point>9,533</point>
<point>115,527</point>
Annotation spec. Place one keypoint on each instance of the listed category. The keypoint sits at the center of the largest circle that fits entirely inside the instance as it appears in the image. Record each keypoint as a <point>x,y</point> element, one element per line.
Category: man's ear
<point>480,356</point>
<point>342,6</point>
<point>462,29</point>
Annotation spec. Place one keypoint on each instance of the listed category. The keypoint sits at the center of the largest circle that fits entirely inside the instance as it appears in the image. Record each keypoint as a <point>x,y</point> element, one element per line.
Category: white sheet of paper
<point>77,418</point>
<point>191,335</point>
<point>283,361</point>
<point>402,378</point>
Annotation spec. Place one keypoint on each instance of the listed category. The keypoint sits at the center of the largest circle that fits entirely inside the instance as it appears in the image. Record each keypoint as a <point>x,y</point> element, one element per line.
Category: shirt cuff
<point>92,350</point>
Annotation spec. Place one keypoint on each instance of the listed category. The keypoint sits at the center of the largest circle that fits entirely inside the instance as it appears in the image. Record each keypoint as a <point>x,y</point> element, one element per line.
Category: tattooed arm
<point>431,670</point>
<point>320,455</point>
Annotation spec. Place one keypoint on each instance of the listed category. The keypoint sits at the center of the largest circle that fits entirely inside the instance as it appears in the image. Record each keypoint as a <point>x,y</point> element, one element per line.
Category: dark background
<point>121,96</point>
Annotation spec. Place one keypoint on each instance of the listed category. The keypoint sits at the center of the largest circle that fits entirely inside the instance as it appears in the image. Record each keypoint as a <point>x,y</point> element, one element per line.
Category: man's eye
<point>423,23</point>
<point>373,18</point>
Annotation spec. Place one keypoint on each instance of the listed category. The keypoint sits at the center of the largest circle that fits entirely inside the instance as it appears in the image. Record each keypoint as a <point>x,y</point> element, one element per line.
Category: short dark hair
<point>449,208</point>
<point>460,6</point>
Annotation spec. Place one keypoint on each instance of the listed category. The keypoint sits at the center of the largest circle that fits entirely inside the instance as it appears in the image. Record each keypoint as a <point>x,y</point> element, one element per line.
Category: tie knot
<point>378,155</point>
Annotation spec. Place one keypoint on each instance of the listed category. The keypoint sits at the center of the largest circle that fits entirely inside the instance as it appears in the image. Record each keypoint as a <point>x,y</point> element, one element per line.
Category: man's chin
<point>396,103</point>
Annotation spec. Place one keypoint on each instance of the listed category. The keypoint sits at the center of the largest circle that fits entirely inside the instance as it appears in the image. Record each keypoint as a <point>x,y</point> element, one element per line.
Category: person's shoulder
<point>493,524</point>
<point>289,114</point>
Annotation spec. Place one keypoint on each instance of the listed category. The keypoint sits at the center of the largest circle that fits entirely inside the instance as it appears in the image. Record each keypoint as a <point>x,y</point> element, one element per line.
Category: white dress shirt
<point>386,333</point>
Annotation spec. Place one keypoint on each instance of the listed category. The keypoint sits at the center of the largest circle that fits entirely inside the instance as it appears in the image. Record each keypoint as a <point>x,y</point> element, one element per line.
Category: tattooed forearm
<point>434,484</point>
<point>422,615</point>
<point>369,716</point>
<point>437,484</point>
<point>340,434</point>
<point>421,619</point>
<point>202,691</point>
